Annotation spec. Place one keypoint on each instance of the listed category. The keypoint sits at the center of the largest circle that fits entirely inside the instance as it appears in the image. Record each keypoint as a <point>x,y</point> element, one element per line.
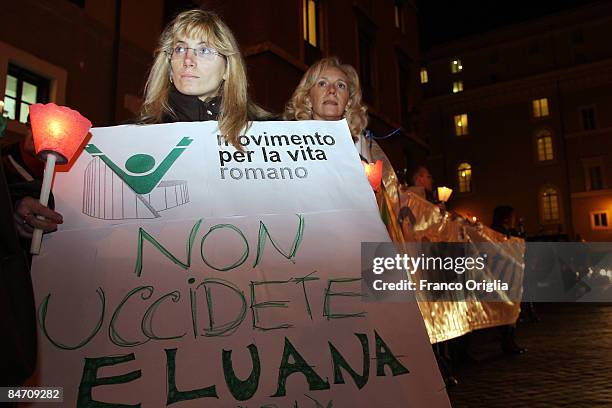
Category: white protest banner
<point>190,273</point>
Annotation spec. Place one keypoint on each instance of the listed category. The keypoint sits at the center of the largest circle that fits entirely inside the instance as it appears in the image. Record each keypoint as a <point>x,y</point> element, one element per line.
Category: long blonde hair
<point>236,108</point>
<point>299,107</point>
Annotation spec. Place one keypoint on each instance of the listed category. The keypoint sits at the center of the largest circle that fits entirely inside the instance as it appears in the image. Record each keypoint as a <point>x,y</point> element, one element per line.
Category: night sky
<point>445,20</point>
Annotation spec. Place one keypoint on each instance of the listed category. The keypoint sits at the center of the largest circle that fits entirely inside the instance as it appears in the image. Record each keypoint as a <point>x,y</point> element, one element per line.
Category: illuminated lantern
<point>58,132</point>
<point>374,173</point>
<point>444,193</point>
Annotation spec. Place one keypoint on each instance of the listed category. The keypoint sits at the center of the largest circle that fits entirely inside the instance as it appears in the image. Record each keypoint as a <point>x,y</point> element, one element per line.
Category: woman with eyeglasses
<point>199,74</point>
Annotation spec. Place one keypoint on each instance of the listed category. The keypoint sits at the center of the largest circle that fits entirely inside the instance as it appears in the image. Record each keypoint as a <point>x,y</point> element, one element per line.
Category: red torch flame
<point>58,130</point>
<point>374,173</point>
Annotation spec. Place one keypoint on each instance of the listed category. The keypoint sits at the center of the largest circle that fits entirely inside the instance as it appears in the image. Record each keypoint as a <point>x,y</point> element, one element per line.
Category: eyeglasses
<point>204,53</point>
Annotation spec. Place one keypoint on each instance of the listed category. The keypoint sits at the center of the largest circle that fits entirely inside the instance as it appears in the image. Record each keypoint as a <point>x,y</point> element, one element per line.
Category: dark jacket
<point>17,310</point>
<point>189,108</point>
<point>14,156</point>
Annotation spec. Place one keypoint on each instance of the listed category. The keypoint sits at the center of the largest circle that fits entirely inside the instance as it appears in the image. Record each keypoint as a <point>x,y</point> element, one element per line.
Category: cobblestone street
<point>568,363</point>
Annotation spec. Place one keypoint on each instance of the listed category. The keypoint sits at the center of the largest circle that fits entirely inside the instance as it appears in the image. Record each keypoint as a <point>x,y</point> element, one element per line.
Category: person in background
<point>330,90</point>
<point>504,222</point>
<point>421,181</point>
<point>421,177</point>
<point>199,74</point>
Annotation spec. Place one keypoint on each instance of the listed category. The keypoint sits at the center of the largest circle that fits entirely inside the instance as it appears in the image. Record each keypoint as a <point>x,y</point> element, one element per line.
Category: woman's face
<point>329,95</point>
<point>195,71</point>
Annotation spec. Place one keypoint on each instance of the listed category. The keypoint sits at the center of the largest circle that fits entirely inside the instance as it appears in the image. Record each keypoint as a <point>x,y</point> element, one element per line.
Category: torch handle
<point>44,200</point>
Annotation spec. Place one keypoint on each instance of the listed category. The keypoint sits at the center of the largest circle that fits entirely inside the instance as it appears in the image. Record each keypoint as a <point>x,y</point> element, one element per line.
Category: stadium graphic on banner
<point>138,192</point>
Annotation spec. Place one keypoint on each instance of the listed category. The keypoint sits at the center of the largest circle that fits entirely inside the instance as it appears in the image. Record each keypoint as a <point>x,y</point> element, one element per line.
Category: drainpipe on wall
<point>115,64</point>
<point>447,178</point>
<point>569,219</point>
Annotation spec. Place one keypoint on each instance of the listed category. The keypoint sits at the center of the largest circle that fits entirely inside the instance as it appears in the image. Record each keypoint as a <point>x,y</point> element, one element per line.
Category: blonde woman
<point>329,90</point>
<point>199,74</point>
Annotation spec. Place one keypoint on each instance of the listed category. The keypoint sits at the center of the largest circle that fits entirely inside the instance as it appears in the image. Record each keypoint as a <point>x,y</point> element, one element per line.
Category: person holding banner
<point>330,90</point>
<point>199,74</point>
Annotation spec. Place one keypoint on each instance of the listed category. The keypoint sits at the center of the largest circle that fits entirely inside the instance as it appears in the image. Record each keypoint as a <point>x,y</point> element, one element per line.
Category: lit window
<point>550,205</point>
<point>599,220</point>
<point>544,145</point>
<point>424,76</point>
<point>457,86</point>
<point>400,21</point>
<point>456,66</point>
<point>461,124</point>
<point>23,88</point>
<point>397,16</point>
<point>311,21</point>
<point>588,118</point>
<point>464,177</point>
<point>540,107</point>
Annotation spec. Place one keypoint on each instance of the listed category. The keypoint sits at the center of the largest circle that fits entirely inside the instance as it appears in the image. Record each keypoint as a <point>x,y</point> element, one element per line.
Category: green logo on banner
<point>141,163</point>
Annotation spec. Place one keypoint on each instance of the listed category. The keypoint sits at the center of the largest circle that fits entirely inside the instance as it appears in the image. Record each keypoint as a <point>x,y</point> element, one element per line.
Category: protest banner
<point>446,320</point>
<point>189,272</point>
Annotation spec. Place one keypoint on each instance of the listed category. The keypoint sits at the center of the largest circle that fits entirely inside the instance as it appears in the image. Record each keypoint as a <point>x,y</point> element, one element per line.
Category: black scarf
<point>188,108</point>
